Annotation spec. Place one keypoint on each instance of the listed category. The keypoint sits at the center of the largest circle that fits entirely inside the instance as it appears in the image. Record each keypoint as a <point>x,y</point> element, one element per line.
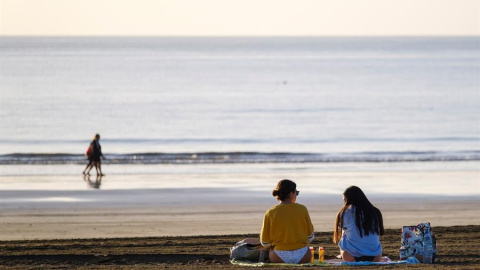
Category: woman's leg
<point>347,257</point>
<point>88,165</point>
<point>378,258</point>
<point>96,166</point>
<point>307,257</point>
<point>89,169</point>
<point>274,257</point>
<point>100,167</point>
<point>252,241</point>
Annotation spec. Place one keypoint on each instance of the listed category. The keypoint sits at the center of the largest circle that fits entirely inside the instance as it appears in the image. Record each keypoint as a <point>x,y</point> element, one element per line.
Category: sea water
<point>159,100</point>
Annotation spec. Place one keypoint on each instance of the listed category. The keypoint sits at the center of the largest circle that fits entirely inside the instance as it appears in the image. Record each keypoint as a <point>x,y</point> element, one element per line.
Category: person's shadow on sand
<point>93,184</point>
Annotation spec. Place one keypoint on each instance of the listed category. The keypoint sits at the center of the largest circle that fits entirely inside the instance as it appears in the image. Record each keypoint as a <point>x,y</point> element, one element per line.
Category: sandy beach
<point>188,219</point>
<point>458,248</point>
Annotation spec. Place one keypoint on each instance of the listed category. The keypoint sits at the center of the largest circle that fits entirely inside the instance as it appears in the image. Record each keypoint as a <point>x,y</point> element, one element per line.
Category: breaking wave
<point>240,157</point>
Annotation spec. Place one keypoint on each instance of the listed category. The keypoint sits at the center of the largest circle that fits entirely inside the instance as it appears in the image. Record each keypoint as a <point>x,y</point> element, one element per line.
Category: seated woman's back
<point>287,226</point>
<point>357,227</point>
<point>358,244</point>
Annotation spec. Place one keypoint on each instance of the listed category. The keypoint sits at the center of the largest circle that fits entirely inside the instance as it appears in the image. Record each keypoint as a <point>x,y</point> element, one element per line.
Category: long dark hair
<point>283,189</point>
<point>368,218</point>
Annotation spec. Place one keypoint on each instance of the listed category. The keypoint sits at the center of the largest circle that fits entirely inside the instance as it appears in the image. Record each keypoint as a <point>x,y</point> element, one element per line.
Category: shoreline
<point>214,199</point>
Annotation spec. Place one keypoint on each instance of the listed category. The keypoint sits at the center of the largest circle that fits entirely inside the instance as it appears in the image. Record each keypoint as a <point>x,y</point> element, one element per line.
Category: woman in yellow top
<point>287,228</point>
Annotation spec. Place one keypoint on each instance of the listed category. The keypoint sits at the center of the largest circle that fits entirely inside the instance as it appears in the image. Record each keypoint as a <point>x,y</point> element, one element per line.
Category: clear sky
<point>240,17</point>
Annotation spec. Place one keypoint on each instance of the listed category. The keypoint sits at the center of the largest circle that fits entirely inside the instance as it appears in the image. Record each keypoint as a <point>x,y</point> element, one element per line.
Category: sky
<point>240,17</point>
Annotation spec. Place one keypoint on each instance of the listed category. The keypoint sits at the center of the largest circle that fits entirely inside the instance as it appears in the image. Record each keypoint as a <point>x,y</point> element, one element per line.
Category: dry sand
<point>458,248</point>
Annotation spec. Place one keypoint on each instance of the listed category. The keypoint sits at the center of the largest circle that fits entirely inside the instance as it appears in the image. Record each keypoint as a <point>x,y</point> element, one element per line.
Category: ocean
<point>239,100</point>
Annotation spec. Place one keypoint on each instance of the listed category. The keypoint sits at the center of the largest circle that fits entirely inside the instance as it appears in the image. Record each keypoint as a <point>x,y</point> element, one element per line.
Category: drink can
<point>321,256</point>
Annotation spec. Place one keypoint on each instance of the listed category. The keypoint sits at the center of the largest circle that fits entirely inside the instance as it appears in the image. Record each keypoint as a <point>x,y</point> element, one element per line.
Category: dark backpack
<point>249,252</point>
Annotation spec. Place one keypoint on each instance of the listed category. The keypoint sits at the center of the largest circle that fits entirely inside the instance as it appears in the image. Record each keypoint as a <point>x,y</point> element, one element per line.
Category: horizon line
<point>244,36</point>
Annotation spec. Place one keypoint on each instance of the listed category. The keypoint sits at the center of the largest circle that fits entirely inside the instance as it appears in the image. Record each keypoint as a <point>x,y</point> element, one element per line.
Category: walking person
<point>94,157</point>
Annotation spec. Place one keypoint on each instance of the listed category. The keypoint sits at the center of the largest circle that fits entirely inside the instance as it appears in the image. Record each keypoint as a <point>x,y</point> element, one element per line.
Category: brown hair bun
<point>283,189</point>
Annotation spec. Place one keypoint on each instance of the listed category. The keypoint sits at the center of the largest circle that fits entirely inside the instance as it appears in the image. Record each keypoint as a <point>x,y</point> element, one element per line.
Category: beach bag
<point>413,241</point>
<point>243,251</point>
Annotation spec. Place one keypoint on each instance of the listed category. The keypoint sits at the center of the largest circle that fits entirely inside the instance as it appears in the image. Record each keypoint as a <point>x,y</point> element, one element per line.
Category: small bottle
<point>427,247</point>
<point>312,251</point>
<point>321,257</point>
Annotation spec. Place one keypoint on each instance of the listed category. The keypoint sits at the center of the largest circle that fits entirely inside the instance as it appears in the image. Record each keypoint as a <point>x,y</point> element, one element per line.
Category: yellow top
<point>286,227</point>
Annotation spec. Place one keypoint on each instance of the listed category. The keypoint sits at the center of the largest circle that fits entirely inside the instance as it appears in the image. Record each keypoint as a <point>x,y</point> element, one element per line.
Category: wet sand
<point>150,213</point>
<point>458,248</point>
<point>212,200</point>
